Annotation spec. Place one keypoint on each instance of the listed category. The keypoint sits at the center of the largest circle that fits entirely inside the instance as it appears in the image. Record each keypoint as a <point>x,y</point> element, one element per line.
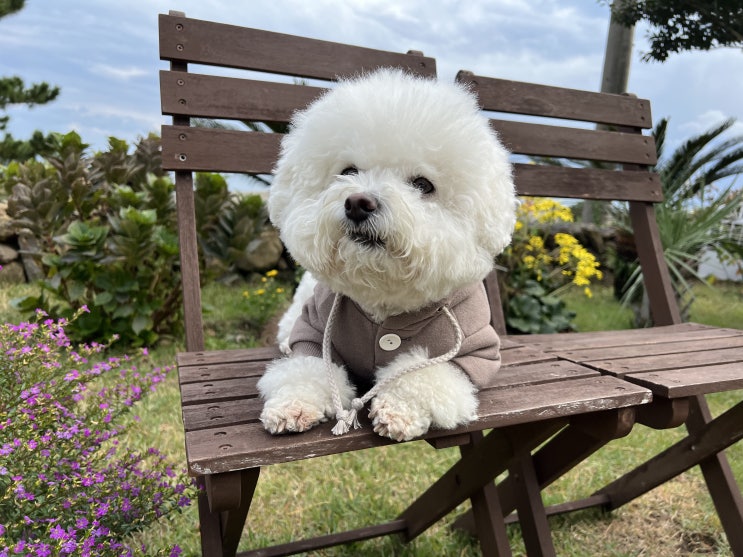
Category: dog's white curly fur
<point>392,128</point>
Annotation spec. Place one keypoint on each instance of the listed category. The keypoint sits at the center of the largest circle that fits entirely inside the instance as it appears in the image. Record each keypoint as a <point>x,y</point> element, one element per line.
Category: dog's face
<point>394,191</point>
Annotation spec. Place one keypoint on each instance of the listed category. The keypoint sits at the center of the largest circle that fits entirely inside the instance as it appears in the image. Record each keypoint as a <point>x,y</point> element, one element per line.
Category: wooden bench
<point>543,399</point>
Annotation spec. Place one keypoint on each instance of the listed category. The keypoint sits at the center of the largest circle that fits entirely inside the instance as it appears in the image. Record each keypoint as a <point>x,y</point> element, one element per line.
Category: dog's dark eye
<point>423,184</point>
<point>350,171</point>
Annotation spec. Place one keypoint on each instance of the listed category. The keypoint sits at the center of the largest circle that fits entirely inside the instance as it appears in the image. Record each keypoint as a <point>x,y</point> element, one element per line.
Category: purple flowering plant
<point>68,486</point>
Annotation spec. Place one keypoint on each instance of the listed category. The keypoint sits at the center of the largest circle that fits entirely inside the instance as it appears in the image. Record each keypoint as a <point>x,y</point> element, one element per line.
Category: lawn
<point>320,495</point>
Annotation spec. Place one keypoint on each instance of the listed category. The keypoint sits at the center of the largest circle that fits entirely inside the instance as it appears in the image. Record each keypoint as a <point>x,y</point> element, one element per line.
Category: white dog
<point>396,195</point>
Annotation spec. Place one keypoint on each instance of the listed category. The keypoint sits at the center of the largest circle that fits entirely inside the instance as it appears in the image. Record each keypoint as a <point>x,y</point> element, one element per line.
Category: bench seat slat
<point>674,345</point>
<point>249,445</point>
<point>502,95</point>
<point>677,383</point>
<point>234,400</point>
<point>205,42</point>
<point>669,361</point>
<point>605,339</point>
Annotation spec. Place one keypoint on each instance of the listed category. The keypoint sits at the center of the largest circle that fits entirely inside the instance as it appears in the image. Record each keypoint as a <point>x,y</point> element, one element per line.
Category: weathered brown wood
<point>718,475</point>
<point>663,413</point>
<point>562,508</point>
<point>206,42</point>
<point>585,435</point>
<point>497,318</point>
<point>330,540</point>
<point>673,344</point>
<point>248,445</point>
<point>233,518</point>
<point>230,98</point>
<point>707,441</point>
<point>575,143</point>
<point>238,355</point>
<point>586,183</point>
<point>470,473</point>
<point>543,100</point>
<point>571,344</point>
<point>534,526</point>
<point>691,381</point>
<point>216,150</point>
<point>487,513</point>
<point>657,278</point>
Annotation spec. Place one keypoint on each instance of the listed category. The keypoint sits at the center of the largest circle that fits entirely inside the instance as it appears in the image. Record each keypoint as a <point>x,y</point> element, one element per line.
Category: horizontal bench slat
<point>216,150</point>
<point>565,343</point>
<point>502,95</point>
<point>676,346</point>
<point>575,143</point>
<point>679,383</point>
<point>669,361</point>
<point>235,400</point>
<point>248,445</point>
<point>586,183</point>
<point>208,96</point>
<point>205,42</point>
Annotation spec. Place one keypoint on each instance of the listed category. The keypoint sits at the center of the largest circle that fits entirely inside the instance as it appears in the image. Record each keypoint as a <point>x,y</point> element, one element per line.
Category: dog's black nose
<point>359,207</point>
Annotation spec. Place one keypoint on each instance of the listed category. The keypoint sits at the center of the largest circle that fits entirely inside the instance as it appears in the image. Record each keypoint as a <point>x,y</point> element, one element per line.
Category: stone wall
<point>12,271</point>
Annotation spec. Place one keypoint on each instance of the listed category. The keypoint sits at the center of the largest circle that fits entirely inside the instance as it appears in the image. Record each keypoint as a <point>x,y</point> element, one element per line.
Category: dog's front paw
<point>392,418</point>
<point>292,417</point>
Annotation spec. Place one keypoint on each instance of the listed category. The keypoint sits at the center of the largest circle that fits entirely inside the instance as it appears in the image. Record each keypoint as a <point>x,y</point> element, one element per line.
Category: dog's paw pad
<point>294,417</point>
<point>397,421</point>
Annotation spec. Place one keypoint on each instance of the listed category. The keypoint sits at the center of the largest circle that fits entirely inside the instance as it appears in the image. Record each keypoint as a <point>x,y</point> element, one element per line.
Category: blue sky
<point>104,54</point>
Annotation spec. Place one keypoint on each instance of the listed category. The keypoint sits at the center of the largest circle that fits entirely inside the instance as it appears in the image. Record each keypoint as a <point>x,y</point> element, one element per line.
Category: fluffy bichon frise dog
<point>396,195</point>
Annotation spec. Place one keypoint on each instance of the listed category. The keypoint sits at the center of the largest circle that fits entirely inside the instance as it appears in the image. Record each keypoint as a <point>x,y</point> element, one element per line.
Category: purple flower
<point>57,533</point>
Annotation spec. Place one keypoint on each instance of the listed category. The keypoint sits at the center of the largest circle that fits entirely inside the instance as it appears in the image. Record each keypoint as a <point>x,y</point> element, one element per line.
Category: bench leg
<point>703,446</point>
<point>223,507</point>
<point>535,528</point>
<point>478,467</point>
<point>487,513</point>
<point>721,483</point>
<point>571,446</point>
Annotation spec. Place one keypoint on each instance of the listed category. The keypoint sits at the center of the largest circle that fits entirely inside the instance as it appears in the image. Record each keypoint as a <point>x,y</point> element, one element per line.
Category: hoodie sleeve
<point>479,356</point>
<point>307,333</point>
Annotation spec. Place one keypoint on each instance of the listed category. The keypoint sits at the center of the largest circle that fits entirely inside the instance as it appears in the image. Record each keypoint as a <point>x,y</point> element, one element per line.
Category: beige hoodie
<point>363,345</point>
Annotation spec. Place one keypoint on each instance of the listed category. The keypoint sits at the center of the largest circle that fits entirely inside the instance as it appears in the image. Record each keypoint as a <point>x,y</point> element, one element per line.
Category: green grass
<point>318,496</point>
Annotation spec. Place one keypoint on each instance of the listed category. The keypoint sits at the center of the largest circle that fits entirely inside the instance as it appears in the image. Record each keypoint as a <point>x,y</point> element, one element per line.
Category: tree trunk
<point>615,75</point>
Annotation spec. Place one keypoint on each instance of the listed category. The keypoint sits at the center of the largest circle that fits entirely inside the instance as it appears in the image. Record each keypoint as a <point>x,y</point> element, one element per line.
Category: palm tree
<point>700,198</point>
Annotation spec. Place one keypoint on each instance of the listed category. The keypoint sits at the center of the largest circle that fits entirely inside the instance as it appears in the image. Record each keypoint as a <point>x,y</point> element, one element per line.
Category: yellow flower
<point>279,291</point>
<point>272,273</point>
<point>260,292</point>
<point>587,292</point>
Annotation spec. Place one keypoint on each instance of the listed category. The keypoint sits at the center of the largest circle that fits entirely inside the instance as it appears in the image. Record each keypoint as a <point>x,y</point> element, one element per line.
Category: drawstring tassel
<point>348,418</point>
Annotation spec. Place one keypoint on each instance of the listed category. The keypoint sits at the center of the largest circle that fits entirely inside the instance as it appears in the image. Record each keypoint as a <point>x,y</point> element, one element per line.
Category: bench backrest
<point>216,93</point>
<point>270,96</point>
<point>615,138</point>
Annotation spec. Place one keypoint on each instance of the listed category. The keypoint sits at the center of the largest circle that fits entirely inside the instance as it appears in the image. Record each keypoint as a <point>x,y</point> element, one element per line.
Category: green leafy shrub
<point>539,266</point>
<point>104,227</point>
<point>67,484</point>
<point>227,223</point>
<point>105,236</point>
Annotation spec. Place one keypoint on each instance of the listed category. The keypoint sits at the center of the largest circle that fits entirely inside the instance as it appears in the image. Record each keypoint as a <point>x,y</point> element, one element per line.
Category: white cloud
<point>119,73</point>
